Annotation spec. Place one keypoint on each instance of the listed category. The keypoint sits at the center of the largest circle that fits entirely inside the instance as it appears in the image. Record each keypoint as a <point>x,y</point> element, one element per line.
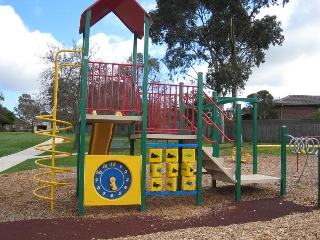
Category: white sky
<point>289,69</point>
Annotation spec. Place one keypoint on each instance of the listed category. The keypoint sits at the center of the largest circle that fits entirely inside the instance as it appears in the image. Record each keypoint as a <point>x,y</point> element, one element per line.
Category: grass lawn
<point>17,141</point>
<point>12,142</point>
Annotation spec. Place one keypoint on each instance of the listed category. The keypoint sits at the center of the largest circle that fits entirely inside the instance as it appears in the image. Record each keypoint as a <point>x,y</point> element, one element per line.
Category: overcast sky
<point>28,26</point>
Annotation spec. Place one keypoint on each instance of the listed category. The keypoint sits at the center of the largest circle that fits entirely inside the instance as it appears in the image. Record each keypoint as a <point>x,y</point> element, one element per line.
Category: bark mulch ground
<point>89,228</point>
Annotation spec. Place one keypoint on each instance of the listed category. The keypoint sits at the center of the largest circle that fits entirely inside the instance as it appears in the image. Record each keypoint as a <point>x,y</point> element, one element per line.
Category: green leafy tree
<point>68,94</point>
<point>154,74</point>
<point>265,106</point>
<point>6,116</point>
<point>1,98</point>
<point>315,115</point>
<point>227,36</point>
<point>28,108</point>
<point>68,82</point>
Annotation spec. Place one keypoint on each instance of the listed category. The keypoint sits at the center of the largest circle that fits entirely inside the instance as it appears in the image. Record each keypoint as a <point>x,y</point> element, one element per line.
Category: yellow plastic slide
<point>101,137</point>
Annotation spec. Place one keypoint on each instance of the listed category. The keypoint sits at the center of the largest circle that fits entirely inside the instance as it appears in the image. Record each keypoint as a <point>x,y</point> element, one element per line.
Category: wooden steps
<point>214,166</point>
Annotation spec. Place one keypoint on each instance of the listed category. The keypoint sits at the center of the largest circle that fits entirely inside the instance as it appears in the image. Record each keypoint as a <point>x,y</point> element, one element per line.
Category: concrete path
<point>16,158</point>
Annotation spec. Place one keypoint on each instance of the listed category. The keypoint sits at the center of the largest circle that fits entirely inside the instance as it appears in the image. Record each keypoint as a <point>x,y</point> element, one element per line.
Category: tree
<point>154,74</point>
<point>265,106</point>
<point>315,114</point>
<point>225,35</point>
<point>28,108</point>
<point>68,83</point>
<point>1,98</point>
<point>6,116</point>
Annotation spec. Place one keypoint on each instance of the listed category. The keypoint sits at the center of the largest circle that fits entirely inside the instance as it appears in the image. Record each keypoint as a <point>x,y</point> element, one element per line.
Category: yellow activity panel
<point>112,180</point>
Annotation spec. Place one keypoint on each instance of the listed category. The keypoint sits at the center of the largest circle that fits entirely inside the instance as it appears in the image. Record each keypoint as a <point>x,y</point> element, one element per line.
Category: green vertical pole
<point>199,152</point>
<point>255,137</point>
<point>238,152</point>
<point>215,135</point>
<point>144,115</point>
<point>283,184</point>
<point>83,98</point>
<point>134,79</point>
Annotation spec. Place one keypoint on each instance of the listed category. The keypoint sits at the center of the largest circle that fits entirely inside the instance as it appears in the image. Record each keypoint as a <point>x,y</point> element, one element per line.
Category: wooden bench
<point>119,144</point>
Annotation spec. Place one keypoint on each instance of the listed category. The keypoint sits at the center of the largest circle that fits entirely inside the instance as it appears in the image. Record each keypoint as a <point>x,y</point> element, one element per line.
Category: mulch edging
<point>89,228</point>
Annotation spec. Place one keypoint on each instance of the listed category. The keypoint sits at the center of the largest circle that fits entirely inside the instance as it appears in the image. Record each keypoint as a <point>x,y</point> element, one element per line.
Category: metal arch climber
<point>303,145</point>
<point>306,146</point>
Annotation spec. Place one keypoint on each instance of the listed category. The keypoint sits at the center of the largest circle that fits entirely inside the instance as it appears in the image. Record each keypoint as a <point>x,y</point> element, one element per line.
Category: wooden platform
<point>166,137</point>
<point>113,119</point>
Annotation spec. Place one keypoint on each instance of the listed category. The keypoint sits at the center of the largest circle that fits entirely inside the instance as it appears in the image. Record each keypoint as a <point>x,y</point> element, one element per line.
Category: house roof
<point>298,100</point>
<point>128,11</point>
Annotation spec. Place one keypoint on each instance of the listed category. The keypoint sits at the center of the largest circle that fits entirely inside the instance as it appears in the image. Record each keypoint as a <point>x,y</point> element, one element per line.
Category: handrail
<point>208,120</point>
<point>219,109</point>
<point>203,136</point>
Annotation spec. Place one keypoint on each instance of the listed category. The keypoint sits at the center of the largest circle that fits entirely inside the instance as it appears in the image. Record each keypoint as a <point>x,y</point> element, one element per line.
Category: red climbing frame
<point>111,87</point>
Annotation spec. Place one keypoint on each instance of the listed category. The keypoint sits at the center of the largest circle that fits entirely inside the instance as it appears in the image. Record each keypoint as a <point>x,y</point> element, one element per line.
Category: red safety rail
<point>110,88</point>
<point>189,94</point>
<point>164,102</point>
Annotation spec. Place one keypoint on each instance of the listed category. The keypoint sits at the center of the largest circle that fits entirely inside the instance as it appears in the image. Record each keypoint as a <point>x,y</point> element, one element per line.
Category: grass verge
<point>14,142</point>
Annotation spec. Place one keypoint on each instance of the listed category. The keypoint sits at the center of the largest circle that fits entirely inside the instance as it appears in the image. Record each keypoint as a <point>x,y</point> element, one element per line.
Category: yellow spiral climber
<point>48,177</point>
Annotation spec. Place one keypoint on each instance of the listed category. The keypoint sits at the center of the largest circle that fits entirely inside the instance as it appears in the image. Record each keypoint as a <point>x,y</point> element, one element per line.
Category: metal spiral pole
<point>48,177</point>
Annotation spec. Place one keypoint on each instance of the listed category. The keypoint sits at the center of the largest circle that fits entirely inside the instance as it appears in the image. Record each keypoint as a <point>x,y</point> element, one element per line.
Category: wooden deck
<point>166,137</point>
<point>113,119</point>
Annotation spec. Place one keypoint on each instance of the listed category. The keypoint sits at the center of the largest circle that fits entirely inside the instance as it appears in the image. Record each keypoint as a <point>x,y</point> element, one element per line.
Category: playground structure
<point>165,118</point>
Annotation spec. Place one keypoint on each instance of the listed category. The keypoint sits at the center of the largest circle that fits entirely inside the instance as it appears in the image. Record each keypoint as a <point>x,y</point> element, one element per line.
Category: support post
<point>255,137</point>
<point>83,99</point>
<point>144,113</point>
<point>215,134</point>
<point>238,152</point>
<point>283,153</point>
<point>199,152</point>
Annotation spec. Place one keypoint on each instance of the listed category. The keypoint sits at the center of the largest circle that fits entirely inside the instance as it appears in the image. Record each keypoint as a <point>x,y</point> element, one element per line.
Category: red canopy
<point>128,11</point>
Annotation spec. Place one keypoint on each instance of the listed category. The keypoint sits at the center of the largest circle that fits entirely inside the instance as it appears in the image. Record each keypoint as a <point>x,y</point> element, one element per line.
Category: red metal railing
<point>172,108</point>
<point>111,88</point>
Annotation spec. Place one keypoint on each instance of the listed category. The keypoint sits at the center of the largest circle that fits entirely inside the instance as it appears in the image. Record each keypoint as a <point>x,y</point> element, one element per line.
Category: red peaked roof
<point>128,11</point>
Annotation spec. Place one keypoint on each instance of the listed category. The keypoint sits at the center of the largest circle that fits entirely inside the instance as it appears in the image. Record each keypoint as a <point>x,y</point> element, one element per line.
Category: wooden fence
<point>269,130</point>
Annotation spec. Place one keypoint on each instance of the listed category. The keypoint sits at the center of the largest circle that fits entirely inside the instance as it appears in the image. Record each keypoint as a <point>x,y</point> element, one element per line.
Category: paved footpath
<point>16,158</point>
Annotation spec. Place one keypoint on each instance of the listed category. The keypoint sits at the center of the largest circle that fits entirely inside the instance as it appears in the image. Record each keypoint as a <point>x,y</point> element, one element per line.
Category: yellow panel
<point>155,184</point>
<point>187,169</point>
<point>188,183</point>
<point>172,155</point>
<point>171,184</point>
<point>112,180</point>
<point>172,169</point>
<point>155,169</point>
<point>155,155</point>
<point>188,155</point>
